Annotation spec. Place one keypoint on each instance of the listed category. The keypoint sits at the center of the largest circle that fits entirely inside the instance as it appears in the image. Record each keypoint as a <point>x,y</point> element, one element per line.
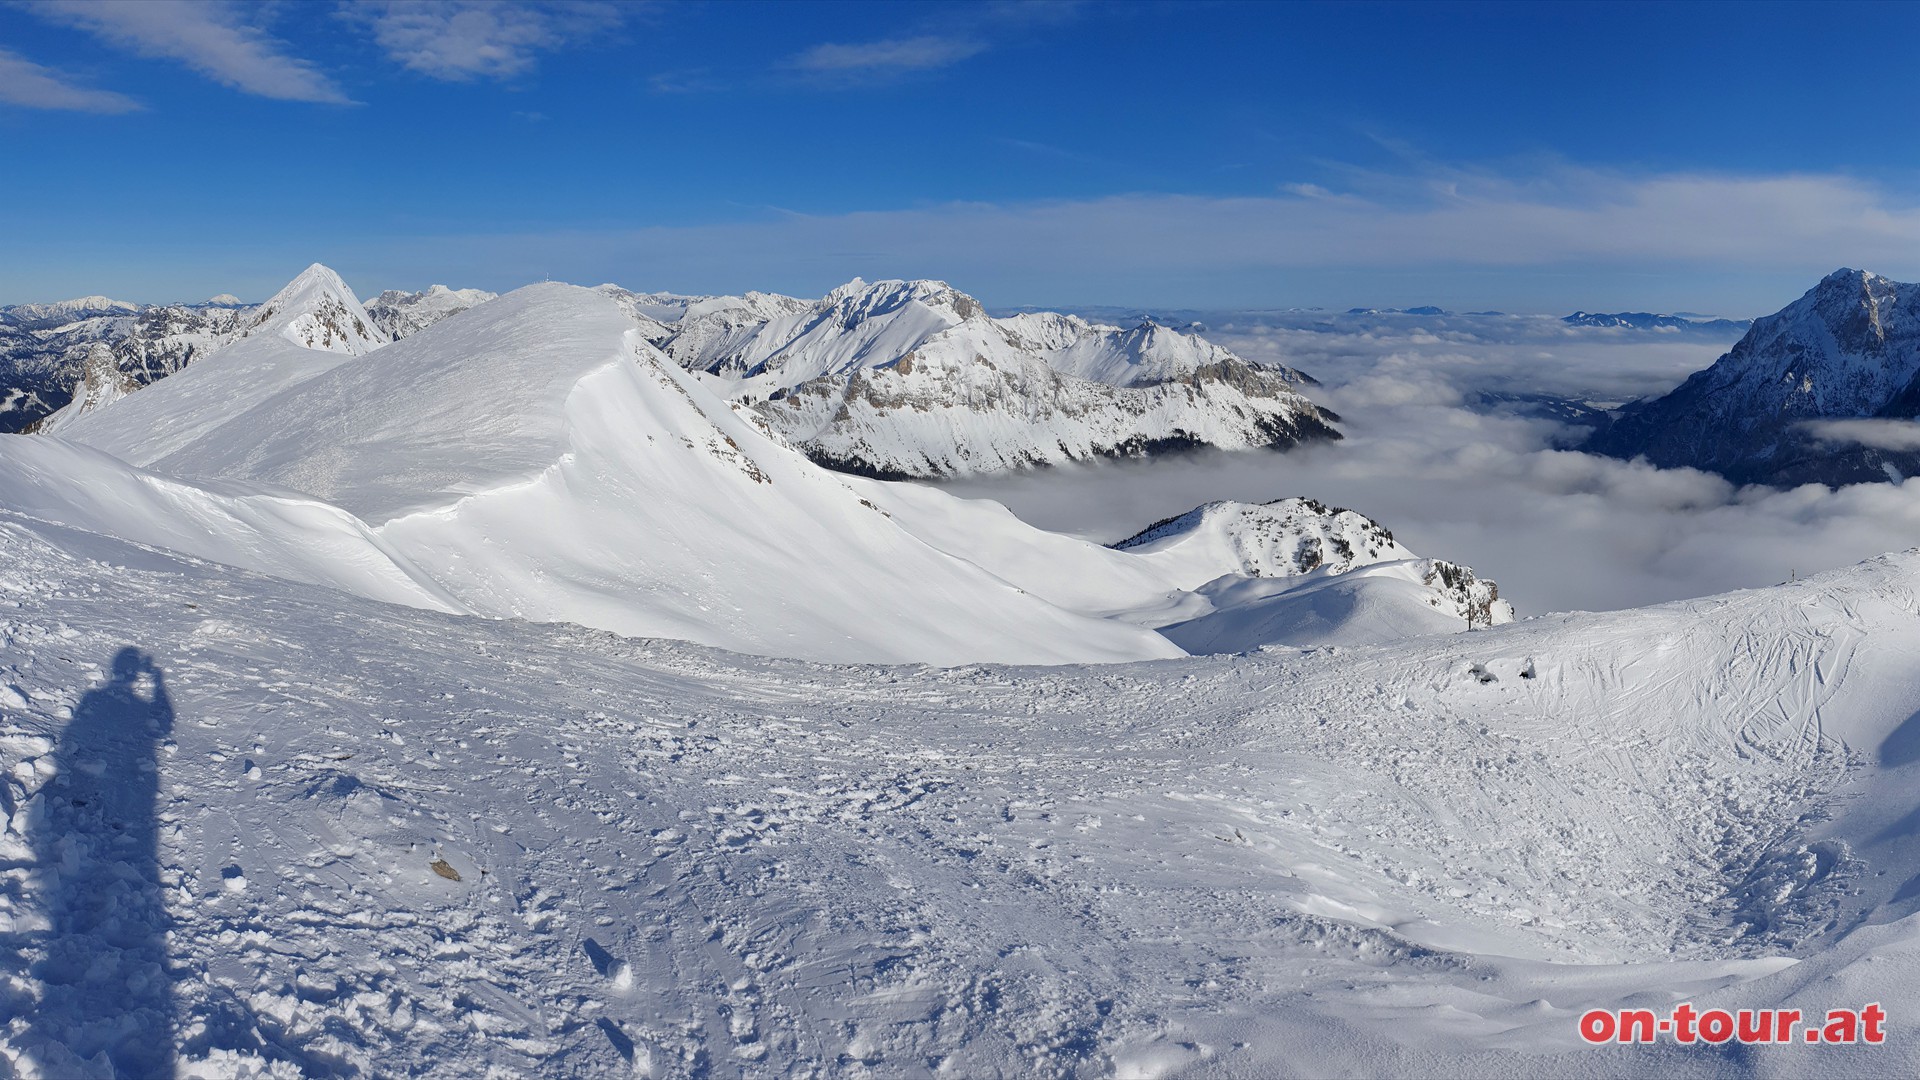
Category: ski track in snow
<point>677,861</point>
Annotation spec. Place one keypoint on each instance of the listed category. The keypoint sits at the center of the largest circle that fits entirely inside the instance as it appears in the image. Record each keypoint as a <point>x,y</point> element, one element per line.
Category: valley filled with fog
<point>1432,452</point>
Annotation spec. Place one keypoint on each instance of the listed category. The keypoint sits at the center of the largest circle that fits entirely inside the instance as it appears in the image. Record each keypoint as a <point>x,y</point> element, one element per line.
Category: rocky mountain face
<point>102,382</point>
<point>1823,391</point>
<point>46,350</point>
<point>400,313</point>
<point>1310,543</point>
<point>900,379</point>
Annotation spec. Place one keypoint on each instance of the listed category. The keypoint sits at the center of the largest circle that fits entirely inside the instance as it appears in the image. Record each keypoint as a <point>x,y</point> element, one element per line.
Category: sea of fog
<point>1489,485</point>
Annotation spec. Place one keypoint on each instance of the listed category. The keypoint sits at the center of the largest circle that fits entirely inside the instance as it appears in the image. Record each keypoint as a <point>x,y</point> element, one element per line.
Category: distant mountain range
<point>1642,320</point>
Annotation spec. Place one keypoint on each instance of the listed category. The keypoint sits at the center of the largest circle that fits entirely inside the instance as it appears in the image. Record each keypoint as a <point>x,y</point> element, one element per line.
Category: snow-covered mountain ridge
<point>49,356</point>
<point>1784,406</point>
<point>421,480</point>
<point>609,490</point>
<point>903,379</point>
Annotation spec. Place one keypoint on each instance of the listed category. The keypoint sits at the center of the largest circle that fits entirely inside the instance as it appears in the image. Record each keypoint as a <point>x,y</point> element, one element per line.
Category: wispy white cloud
<point>1877,433</point>
<point>691,81</point>
<point>892,56</point>
<point>460,40</point>
<point>1491,241</point>
<point>27,84</point>
<point>219,40</point>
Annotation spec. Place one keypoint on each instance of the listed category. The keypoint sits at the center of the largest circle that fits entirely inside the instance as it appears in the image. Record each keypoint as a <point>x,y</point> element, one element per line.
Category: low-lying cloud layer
<point>1559,530</point>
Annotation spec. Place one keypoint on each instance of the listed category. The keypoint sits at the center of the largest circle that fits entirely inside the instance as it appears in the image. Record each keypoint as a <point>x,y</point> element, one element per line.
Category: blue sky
<point>1529,157</point>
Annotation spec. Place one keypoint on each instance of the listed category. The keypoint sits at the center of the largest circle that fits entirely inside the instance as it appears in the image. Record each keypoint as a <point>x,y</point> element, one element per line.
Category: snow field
<point>1423,857</point>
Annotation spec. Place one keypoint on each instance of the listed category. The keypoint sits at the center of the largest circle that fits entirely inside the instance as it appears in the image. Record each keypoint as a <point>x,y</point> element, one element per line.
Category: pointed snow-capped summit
<point>1785,405</point>
<point>316,310</point>
<point>244,355</point>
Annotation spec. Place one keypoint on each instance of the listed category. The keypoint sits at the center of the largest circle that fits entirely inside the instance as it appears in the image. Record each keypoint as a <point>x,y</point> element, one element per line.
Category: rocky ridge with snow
<point>899,379</point>
<point>400,313</point>
<point>1306,573</point>
<point>102,382</point>
<point>1823,391</point>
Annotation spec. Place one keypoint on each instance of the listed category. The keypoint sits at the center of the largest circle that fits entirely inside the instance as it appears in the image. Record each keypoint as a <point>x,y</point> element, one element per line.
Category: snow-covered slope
<point>338,838</point>
<point>902,379</point>
<point>609,488</point>
<point>282,533</point>
<point>399,313</point>
<point>1785,405</point>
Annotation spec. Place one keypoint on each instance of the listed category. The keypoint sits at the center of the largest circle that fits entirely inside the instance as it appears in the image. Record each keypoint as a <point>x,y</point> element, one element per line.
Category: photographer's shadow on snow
<point>104,966</point>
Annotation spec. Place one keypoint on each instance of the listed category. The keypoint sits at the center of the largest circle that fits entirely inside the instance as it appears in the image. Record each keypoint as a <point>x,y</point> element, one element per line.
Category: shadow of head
<point>139,681</point>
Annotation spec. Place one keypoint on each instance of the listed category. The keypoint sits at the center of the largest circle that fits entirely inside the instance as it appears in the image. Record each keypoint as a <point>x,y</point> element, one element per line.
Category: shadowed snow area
<point>393,841</point>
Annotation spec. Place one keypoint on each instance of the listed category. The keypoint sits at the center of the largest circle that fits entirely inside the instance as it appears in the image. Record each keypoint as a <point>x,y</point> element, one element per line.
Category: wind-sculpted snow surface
<point>905,379</point>
<point>385,841</point>
<point>1777,408</point>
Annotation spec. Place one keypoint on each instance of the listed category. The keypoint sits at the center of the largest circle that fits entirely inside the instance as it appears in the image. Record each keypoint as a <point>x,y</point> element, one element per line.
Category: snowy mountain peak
<point>1776,408</point>
<point>858,299</point>
<point>223,300</point>
<point>316,310</point>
